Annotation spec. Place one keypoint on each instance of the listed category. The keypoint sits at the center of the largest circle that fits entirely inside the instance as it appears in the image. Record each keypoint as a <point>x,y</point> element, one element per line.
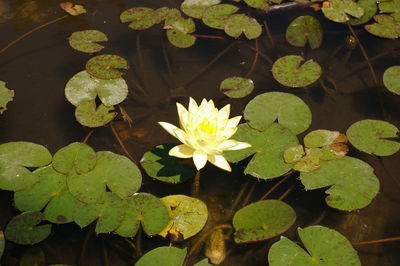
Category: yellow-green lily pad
<point>260,4</point>
<point>107,66</point>
<point>140,18</point>
<point>304,29</point>
<point>392,7</point>
<point>196,8</point>
<point>391,79</point>
<point>88,115</point>
<point>86,41</point>
<point>370,8</point>
<point>240,23</point>
<point>179,30</point>
<point>386,26</point>
<point>6,96</point>
<point>165,256</point>
<point>77,157</point>
<point>341,10</point>
<point>217,16</point>
<point>236,87</point>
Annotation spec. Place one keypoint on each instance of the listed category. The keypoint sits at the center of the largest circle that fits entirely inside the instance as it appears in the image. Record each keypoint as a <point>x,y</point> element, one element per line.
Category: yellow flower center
<point>208,127</point>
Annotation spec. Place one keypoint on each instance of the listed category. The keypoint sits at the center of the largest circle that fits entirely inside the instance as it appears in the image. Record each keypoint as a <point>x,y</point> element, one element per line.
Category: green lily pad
<point>6,96</point>
<point>304,29</point>
<point>107,66</point>
<point>236,87</point>
<point>391,79</point>
<point>140,18</point>
<point>196,8</point>
<point>34,256</point>
<point>145,209</point>
<point>392,7</point>
<point>260,4</point>
<point>370,9</point>
<point>2,243</point>
<point>386,26</point>
<point>353,184</point>
<point>339,10</point>
<point>85,41</point>
<point>262,220</point>
<point>289,110</point>
<point>309,162</point>
<point>267,147</point>
<point>77,157</point>
<point>119,173</point>
<point>14,157</point>
<point>187,216</point>
<point>294,154</point>
<point>371,136</point>
<point>24,230</point>
<point>289,71</point>
<point>61,208</point>
<point>165,256</point>
<point>320,137</point>
<point>240,23</point>
<point>179,31</point>
<point>203,262</point>
<point>82,87</point>
<point>88,115</point>
<point>159,165</point>
<point>217,16</point>
<point>324,246</point>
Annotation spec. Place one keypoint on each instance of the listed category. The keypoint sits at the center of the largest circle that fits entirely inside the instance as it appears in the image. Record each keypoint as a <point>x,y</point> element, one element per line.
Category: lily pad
<point>119,173</point>
<point>236,87</point>
<point>14,157</point>
<point>260,4</point>
<point>106,66</point>
<point>289,71</point>
<point>85,41</point>
<point>304,29</point>
<point>179,31</point>
<point>289,110</point>
<point>370,9</point>
<point>203,262</point>
<point>303,161</point>
<point>77,157</point>
<point>217,16</point>
<point>320,137</point>
<point>165,256</point>
<point>386,26</point>
<point>324,246</point>
<point>6,96</point>
<point>391,79</point>
<point>159,165</point>
<point>392,7</point>
<point>267,147</point>
<point>340,10</point>
<point>145,209</point>
<point>262,220</point>
<point>140,18</point>
<point>61,208</point>
<point>196,8</point>
<point>353,184</point>
<point>82,87</point>
<point>24,230</point>
<point>372,136</point>
<point>187,216</point>
<point>88,115</point>
<point>240,23</point>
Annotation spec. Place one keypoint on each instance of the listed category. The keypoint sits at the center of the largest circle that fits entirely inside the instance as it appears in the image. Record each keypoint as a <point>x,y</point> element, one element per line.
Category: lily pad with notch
<point>166,256</point>
<point>259,4</point>
<point>262,220</point>
<point>88,115</point>
<point>240,23</point>
<point>179,31</point>
<point>289,71</point>
<point>86,41</point>
<point>159,165</point>
<point>217,16</point>
<point>196,8</point>
<point>323,246</point>
<point>236,87</point>
<point>144,209</point>
<point>386,26</point>
<point>303,30</point>
<point>370,8</point>
<point>140,18</point>
<point>14,157</point>
<point>342,10</point>
<point>391,79</point>
<point>106,66</point>
<point>373,137</point>
<point>24,229</point>
<point>267,148</point>
<point>392,7</point>
<point>6,96</point>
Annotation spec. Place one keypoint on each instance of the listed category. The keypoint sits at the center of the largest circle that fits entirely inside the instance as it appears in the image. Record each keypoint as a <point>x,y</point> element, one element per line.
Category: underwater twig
<point>237,200</point>
<point>319,218</point>
<point>253,65</point>
<point>249,194</point>
<point>371,69</point>
<point>87,136</point>
<point>140,59</point>
<point>383,240</point>
<point>104,253</point>
<point>209,36</point>
<point>283,196</point>
<point>269,35</point>
<point>167,63</point>
<point>121,144</point>
<point>260,53</point>
<point>32,31</point>
<point>196,184</point>
<point>274,187</point>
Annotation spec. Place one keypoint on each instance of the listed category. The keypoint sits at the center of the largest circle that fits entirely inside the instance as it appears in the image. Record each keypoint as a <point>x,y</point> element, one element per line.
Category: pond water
<point>38,67</point>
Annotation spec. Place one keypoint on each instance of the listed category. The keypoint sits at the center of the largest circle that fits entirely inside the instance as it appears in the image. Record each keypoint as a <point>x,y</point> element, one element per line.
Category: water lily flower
<point>205,133</point>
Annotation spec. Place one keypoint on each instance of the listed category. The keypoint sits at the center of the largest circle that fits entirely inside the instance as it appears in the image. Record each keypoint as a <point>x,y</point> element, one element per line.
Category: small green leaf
<point>353,184</point>
<point>187,215</point>
<point>106,66</point>
<point>267,147</point>
<point>310,161</point>
<point>141,18</point>
<point>320,137</point>
<point>85,41</point>
<point>217,16</point>
<point>262,220</point>
<point>294,154</point>
<point>159,165</point>
<point>23,229</point>
<point>236,87</point>
<point>392,7</point>
<point>260,4</point>
<point>165,256</point>
<point>240,23</point>
<point>179,31</point>
<point>385,26</point>
<point>339,10</point>
<point>88,115</point>
<point>370,9</point>
<point>371,136</point>
<point>196,8</point>
<point>324,246</point>
<point>6,96</point>
<point>304,29</point>
<point>391,79</point>
<point>289,71</point>
<point>289,110</point>
<point>77,157</point>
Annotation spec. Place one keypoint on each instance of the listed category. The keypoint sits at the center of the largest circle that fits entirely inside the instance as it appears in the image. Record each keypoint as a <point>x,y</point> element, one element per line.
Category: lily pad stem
<point>274,187</point>
<point>139,243</point>
<point>196,184</point>
<point>88,136</point>
<point>253,65</point>
<point>260,54</point>
<point>249,194</point>
<point>32,31</point>
<point>235,203</point>
<point>121,143</point>
<point>209,36</point>
<point>383,240</point>
<point>283,196</point>
<point>269,35</point>
<point>89,233</point>
<point>104,252</point>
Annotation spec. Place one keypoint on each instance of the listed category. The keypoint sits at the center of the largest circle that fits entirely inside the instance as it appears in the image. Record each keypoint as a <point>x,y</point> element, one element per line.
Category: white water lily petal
<point>170,128</point>
<point>219,161</point>
<point>199,159</point>
<point>229,132</point>
<point>192,106</point>
<point>233,122</point>
<point>226,144</point>
<point>223,114</point>
<point>181,135</point>
<point>239,146</point>
<point>181,151</point>
<point>183,114</point>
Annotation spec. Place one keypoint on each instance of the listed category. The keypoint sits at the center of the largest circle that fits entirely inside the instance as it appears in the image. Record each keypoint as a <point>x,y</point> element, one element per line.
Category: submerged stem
<point>377,241</point>
<point>196,184</point>
<point>274,187</point>
<point>85,140</point>
<point>253,65</point>
<point>121,143</point>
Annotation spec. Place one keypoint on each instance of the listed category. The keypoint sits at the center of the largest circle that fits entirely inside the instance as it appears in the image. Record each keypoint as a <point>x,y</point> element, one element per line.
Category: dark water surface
<point>38,67</point>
